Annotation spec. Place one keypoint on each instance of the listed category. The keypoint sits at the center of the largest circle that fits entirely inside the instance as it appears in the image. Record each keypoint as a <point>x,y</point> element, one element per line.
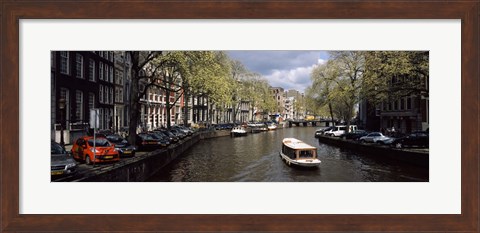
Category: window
<point>111,74</point>
<point>79,107</point>
<point>409,102</point>
<point>79,62</point>
<point>64,63</point>
<point>101,94</point>
<point>106,72</point>
<point>101,118</point>
<point>105,101</point>
<point>91,71</point>
<point>100,71</point>
<point>402,104</point>
<point>65,94</point>
<point>116,76</point>
<point>91,100</point>
<point>116,94</point>
<point>120,95</point>
<point>111,95</point>
<point>111,56</point>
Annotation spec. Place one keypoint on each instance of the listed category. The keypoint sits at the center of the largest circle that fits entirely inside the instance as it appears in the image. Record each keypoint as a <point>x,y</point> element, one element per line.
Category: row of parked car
<point>109,147</point>
<point>414,139</point>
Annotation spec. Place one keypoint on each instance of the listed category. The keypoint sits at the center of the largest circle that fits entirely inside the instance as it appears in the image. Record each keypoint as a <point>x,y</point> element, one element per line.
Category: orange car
<point>105,151</point>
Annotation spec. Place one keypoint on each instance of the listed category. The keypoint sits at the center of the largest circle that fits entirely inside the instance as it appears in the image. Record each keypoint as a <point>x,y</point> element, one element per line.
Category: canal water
<point>256,158</point>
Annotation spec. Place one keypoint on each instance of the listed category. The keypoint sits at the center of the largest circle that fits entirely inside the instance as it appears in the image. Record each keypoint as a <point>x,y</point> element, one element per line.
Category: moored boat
<point>238,131</point>
<point>271,126</point>
<point>259,128</point>
<point>296,152</point>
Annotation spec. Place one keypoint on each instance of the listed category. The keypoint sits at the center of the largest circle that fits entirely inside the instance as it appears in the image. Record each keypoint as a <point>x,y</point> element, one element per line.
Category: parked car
<point>172,137</point>
<point>322,131</point>
<point>163,139</point>
<point>178,133</point>
<point>121,145</point>
<point>184,130</point>
<point>147,142</point>
<point>340,130</point>
<point>419,139</point>
<point>375,137</point>
<point>355,135</point>
<point>61,162</point>
<point>104,150</point>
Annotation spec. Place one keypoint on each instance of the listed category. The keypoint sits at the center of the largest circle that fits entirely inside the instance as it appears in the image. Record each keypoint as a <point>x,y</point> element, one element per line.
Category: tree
<point>139,61</point>
<point>323,84</point>
<point>391,75</point>
<point>338,83</point>
<point>351,66</point>
<point>211,78</point>
<point>238,74</point>
<point>254,89</point>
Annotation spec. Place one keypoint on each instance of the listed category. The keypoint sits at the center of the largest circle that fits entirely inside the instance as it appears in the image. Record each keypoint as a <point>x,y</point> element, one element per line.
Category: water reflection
<point>255,158</point>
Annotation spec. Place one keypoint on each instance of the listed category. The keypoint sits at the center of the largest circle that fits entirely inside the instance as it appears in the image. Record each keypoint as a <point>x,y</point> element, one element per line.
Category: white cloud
<point>286,69</point>
<point>297,78</point>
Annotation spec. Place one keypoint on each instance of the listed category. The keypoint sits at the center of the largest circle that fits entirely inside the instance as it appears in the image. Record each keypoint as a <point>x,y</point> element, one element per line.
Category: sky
<point>286,69</point>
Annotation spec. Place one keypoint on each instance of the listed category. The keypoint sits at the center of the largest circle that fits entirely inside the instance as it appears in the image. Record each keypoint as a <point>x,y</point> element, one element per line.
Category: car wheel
<point>362,141</point>
<point>87,160</point>
<point>398,145</point>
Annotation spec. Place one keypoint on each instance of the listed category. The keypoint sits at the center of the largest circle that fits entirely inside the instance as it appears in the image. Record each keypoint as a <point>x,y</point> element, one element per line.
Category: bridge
<point>320,122</point>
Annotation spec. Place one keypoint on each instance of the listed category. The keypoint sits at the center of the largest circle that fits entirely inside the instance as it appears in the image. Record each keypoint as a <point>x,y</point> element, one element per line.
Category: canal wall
<point>416,157</point>
<point>144,166</point>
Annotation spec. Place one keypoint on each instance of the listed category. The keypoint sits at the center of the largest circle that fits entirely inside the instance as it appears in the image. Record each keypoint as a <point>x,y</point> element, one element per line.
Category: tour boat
<point>296,152</point>
<point>238,131</point>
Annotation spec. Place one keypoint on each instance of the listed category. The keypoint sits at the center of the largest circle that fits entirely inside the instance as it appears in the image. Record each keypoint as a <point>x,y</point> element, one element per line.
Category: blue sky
<point>287,69</point>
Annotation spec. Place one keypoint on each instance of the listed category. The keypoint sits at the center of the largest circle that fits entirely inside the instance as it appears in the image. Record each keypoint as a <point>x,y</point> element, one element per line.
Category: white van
<point>340,130</point>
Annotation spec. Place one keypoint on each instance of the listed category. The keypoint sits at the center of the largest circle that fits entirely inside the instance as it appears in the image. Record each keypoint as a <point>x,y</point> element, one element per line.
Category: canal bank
<point>415,157</point>
<point>143,166</point>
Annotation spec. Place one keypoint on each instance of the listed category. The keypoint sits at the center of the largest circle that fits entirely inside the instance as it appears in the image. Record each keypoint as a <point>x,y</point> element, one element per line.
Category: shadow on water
<point>256,158</point>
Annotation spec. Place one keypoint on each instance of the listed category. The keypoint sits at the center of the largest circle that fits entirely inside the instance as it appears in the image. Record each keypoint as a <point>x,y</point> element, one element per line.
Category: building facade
<point>122,79</point>
<point>83,80</point>
<point>278,95</point>
<point>405,114</point>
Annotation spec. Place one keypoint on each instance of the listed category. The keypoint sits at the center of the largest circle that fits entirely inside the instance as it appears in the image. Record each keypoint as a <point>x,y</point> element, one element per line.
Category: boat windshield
<point>306,154</point>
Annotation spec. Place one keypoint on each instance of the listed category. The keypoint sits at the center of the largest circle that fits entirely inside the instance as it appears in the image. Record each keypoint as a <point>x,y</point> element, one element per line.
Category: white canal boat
<point>238,131</point>
<point>299,153</point>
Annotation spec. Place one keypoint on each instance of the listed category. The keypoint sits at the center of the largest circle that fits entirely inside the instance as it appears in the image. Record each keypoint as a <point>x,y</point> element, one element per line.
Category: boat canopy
<point>297,144</point>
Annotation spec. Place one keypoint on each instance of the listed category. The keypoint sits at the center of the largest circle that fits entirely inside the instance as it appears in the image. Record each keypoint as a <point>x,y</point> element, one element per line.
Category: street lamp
<point>61,106</point>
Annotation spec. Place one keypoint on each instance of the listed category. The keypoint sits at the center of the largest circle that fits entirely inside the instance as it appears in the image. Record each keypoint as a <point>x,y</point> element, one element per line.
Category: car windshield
<point>161,133</point>
<point>146,137</point>
<point>56,149</point>
<point>100,142</point>
<point>114,138</point>
<point>169,133</point>
<point>156,136</point>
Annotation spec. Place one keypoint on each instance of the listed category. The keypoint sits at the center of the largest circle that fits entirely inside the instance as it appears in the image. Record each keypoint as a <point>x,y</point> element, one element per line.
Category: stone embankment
<point>418,157</point>
<point>144,165</point>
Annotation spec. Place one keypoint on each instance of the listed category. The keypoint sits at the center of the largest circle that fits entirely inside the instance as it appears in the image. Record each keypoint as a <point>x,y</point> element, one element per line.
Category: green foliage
<point>377,76</point>
<point>391,75</point>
